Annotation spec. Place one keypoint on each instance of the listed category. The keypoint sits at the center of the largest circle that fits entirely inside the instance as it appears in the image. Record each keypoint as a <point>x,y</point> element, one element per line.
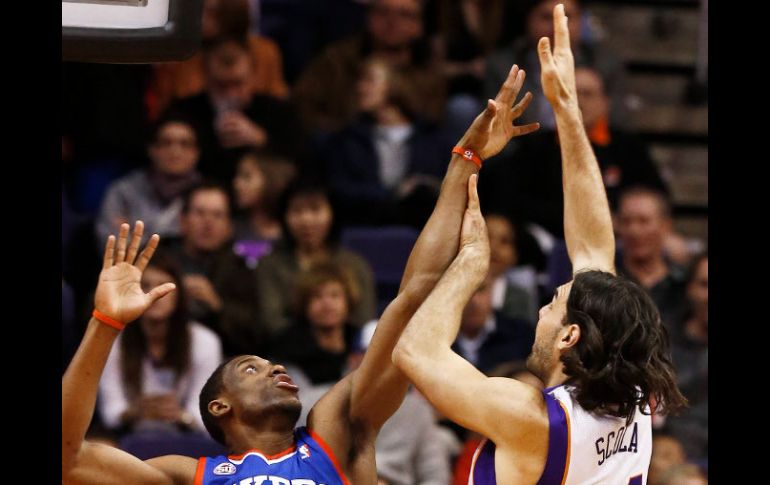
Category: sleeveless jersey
<point>309,461</point>
<point>583,448</point>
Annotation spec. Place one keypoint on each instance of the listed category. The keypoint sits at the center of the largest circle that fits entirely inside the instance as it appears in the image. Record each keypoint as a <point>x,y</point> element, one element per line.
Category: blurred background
<point>291,162</point>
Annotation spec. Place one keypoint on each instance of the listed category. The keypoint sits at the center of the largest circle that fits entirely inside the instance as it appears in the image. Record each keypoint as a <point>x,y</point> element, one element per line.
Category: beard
<point>535,363</point>
<point>282,413</point>
<point>539,361</point>
<point>291,410</point>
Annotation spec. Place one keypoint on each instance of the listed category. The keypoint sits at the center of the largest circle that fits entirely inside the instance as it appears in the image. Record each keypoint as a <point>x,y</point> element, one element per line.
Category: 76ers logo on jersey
<point>304,451</point>
<point>224,469</point>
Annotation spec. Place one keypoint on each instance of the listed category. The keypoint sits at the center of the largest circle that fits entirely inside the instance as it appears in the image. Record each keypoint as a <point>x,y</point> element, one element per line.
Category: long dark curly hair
<point>622,359</point>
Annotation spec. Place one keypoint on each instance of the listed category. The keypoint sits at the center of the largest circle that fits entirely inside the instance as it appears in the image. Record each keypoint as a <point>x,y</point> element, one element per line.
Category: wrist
<point>568,108</point>
<point>468,153</point>
<point>107,320</point>
<point>474,261</point>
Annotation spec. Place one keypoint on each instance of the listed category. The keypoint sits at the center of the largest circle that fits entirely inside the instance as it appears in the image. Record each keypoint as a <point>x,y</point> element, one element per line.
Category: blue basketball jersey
<point>308,462</point>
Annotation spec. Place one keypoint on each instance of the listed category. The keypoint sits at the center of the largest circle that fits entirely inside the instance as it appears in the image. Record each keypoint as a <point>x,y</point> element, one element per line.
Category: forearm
<point>435,324</point>
<point>79,387</point>
<point>379,387</point>
<point>439,240</point>
<point>587,221</point>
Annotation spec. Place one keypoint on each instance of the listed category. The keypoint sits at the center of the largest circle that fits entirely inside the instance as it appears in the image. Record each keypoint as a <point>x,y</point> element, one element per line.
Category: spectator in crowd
<point>159,364</point>
<point>303,28</point>
<point>154,194</point>
<point>325,93</point>
<point>230,118</point>
<point>523,51</point>
<point>260,178</point>
<point>514,288</point>
<point>685,474</point>
<point>468,31</point>
<point>689,351</point>
<point>488,339</point>
<point>529,188</point>
<point>386,167</point>
<point>221,18</point>
<point>217,283</point>
<point>409,448</point>
<point>320,340</point>
<point>667,452</point>
<point>643,223</point>
<point>310,237</point>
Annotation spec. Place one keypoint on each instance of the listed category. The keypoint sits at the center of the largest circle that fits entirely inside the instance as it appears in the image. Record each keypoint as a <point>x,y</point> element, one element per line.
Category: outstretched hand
<point>474,239</point>
<point>494,128</point>
<point>558,68</point>
<point>119,293</point>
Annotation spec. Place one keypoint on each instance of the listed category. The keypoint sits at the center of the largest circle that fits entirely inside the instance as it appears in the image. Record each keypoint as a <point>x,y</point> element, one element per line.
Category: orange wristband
<point>468,155</point>
<point>110,322</point>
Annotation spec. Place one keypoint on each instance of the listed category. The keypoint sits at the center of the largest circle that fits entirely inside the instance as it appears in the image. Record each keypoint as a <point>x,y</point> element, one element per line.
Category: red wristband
<point>468,154</point>
<point>110,322</point>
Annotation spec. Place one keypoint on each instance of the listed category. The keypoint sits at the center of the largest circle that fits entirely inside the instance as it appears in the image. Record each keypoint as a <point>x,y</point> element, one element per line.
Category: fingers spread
<point>527,129</point>
<point>507,93</point>
<point>161,291</point>
<point>135,240</point>
<point>544,52</point>
<point>149,250</point>
<point>561,31</point>
<point>517,84</point>
<point>109,252</point>
<point>122,236</point>
<point>484,120</point>
<point>521,105</point>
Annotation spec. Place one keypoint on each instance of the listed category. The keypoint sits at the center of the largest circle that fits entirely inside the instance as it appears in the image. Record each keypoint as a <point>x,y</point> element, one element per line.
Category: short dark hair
<point>205,185</point>
<point>622,359</point>
<point>306,186</point>
<point>226,51</point>
<point>641,190</point>
<point>167,118</point>
<point>213,388</point>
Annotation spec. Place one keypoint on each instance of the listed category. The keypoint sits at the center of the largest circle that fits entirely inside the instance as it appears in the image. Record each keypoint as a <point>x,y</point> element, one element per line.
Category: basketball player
<point>250,404</point>
<point>599,348</point>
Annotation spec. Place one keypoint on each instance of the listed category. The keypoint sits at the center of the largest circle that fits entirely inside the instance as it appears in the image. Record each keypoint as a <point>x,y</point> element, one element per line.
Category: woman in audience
<point>154,194</point>
<point>310,237</point>
<point>160,363</point>
<point>260,179</point>
<point>320,340</point>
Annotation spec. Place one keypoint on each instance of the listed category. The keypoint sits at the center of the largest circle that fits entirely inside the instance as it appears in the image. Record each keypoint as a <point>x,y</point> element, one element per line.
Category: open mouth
<point>284,381</point>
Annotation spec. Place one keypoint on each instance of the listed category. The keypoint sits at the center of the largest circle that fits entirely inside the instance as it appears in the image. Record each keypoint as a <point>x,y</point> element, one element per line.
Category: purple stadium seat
<point>386,249</point>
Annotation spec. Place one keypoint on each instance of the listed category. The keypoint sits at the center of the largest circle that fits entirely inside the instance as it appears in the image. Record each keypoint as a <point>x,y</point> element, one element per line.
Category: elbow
<point>69,458</point>
<point>401,356</point>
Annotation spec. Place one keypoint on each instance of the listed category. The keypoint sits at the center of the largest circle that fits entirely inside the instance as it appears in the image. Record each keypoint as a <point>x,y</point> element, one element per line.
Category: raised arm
<point>119,297</point>
<point>587,220</point>
<point>377,388</point>
<point>452,384</point>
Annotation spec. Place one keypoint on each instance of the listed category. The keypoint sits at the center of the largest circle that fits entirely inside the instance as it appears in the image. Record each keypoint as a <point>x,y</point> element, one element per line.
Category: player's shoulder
<point>520,405</point>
